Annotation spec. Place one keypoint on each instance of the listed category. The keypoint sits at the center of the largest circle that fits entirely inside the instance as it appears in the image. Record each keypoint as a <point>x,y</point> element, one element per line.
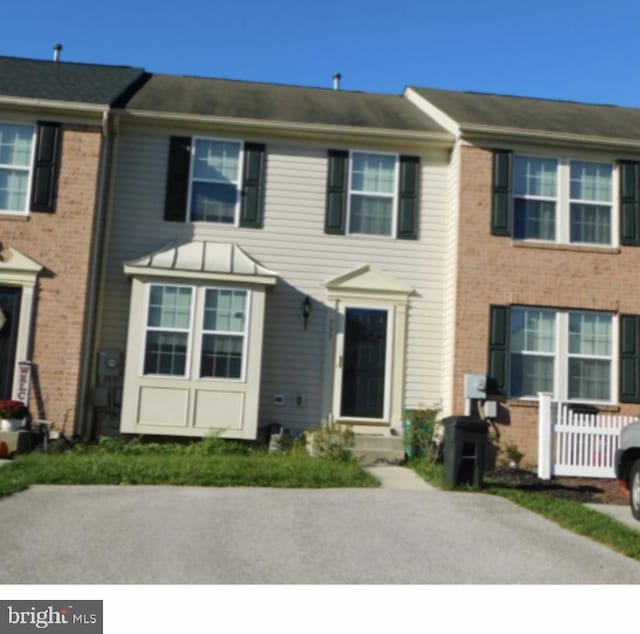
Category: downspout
<point>84,422</point>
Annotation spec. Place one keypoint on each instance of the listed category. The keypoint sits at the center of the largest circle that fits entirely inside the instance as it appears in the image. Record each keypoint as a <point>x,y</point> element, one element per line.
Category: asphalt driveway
<point>184,535</point>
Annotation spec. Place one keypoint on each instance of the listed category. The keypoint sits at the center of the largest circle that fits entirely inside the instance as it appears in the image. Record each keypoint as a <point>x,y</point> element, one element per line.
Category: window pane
<point>591,181</point>
<point>224,310</point>
<point>535,176</point>
<point>534,219</point>
<point>13,189</point>
<point>533,330</point>
<point>590,223</point>
<point>371,215</point>
<point>166,353</point>
<point>530,374</point>
<point>213,202</point>
<point>590,334</point>
<point>373,173</point>
<point>15,144</point>
<point>169,307</point>
<point>221,356</point>
<point>216,160</point>
<point>589,379</point>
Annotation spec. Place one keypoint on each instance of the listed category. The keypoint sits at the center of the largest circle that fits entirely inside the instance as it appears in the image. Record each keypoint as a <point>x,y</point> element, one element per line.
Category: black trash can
<point>465,440</point>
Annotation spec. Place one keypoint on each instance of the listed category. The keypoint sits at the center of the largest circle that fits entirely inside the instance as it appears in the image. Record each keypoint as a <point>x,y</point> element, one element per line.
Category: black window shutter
<point>408,198</point>
<point>629,359</point>
<point>501,205</point>
<point>252,206</point>
<point>498,370</point>
<point>175,204</point>
<point>629,204</point>
<point>45,167</point>
<point>337,188</point>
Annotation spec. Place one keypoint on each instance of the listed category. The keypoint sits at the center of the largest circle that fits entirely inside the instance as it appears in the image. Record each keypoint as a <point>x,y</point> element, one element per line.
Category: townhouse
<point>275,254</point>
<point>54,144</point>
<point>547,253</point>
<point>183,255</point>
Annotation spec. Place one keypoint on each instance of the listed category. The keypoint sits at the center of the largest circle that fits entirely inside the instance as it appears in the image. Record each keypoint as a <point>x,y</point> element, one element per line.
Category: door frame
<point>18,270</point>
<point>366,287</point>
<point>339,366</point>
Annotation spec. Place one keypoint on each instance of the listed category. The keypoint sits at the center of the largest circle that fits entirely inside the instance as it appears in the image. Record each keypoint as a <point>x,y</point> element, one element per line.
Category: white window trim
<point>236,213</point>
<point>563,200</point>
<point>147,329</point>
<point>200,332</point>
<point>29,170</point>
<point>337,404</point>
<point>195,334</point>
<point>561,358</point>
<point>394,197</point>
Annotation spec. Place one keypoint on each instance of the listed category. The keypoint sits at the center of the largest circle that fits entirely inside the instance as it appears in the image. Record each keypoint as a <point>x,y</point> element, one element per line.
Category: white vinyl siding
<point>293,244</point>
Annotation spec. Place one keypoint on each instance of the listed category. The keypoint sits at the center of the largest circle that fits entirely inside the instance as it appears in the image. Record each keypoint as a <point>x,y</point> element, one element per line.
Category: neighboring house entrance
<point>364,371</point>
<point>9,312</point>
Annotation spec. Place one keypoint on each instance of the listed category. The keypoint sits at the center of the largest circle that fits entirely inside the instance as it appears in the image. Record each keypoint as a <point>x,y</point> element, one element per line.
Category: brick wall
<point>497,270</point>
<point>60,242</point>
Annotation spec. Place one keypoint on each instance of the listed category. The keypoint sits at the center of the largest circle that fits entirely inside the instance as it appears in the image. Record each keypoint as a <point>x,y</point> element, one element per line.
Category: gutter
<point>290,128</point>
<point>486,132</point>
<point>84,417</point>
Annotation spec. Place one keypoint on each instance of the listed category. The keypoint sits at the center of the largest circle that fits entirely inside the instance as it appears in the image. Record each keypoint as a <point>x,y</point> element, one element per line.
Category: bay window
<point>217,337</point>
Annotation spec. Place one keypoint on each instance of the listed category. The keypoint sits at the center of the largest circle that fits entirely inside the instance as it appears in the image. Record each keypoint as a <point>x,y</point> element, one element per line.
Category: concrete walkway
<point>398,478</point>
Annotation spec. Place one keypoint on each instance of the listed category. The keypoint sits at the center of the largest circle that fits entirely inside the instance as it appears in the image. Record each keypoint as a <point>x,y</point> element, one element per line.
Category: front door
<point>364,363</point>
<point>9,311</point>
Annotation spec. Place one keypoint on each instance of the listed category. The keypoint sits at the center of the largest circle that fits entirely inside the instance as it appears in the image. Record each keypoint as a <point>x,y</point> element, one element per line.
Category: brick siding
<point>61,243</point>
<point>498,270</point>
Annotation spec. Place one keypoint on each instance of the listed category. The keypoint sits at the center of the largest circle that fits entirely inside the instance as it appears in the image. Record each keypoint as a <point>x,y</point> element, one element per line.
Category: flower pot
<point>10,424</point>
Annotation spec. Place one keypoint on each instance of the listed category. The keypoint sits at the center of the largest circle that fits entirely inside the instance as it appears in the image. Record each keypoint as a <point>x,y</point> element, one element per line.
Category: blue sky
<point>579,49</point>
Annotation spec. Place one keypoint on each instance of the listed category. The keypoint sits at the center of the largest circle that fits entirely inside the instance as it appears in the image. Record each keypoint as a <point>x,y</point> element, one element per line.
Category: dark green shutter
<point>629,359</point>
<point>175,205</point>
<point>502,204</point>
<point>498,370</point>
<point>408,198</point>
<point>45,167</point>
<point>251,210</point>
<point>629,204</point>
<point>337,187</point>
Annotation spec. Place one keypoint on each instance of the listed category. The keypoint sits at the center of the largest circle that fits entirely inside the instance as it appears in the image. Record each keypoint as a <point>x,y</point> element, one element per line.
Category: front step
<point>371,450</point>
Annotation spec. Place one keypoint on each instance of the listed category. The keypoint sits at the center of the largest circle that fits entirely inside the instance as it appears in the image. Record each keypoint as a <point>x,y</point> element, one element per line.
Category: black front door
<point>364,363</point>
<point>9,311</point>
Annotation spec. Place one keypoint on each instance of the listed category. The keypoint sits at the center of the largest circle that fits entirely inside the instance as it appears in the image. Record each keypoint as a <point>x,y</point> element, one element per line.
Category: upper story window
<point>218,181</point>
<point>216,172</point>
<point>562,200</point>
<point>372,193</point>
<point>16,150</point>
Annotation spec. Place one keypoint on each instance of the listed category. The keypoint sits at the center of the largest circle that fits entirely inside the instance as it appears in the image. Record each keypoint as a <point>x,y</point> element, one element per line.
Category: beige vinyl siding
<point>293,244</point>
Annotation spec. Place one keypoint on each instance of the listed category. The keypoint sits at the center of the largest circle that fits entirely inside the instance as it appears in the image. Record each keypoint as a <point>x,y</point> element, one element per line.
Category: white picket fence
<point>575,444</point>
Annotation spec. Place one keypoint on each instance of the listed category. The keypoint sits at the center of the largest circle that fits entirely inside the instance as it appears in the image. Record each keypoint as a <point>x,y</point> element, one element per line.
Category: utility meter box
<point>109,363</point>
<point>475,386</point>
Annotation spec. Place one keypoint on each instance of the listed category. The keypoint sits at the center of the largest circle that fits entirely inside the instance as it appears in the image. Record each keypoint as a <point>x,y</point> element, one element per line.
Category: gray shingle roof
<point>64,81</point>
<point>277,102</point>
<point>523,113</point>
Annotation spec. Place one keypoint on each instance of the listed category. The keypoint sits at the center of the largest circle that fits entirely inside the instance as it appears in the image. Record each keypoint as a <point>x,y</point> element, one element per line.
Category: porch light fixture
<point>306,310</point>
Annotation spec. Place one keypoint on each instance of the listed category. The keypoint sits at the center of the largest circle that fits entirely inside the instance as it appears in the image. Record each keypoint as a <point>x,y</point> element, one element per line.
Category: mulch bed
<point>592,490</point>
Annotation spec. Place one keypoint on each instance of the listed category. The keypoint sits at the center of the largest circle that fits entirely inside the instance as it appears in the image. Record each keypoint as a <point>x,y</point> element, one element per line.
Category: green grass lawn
<point>212,462</point>
<point>571,515</point>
